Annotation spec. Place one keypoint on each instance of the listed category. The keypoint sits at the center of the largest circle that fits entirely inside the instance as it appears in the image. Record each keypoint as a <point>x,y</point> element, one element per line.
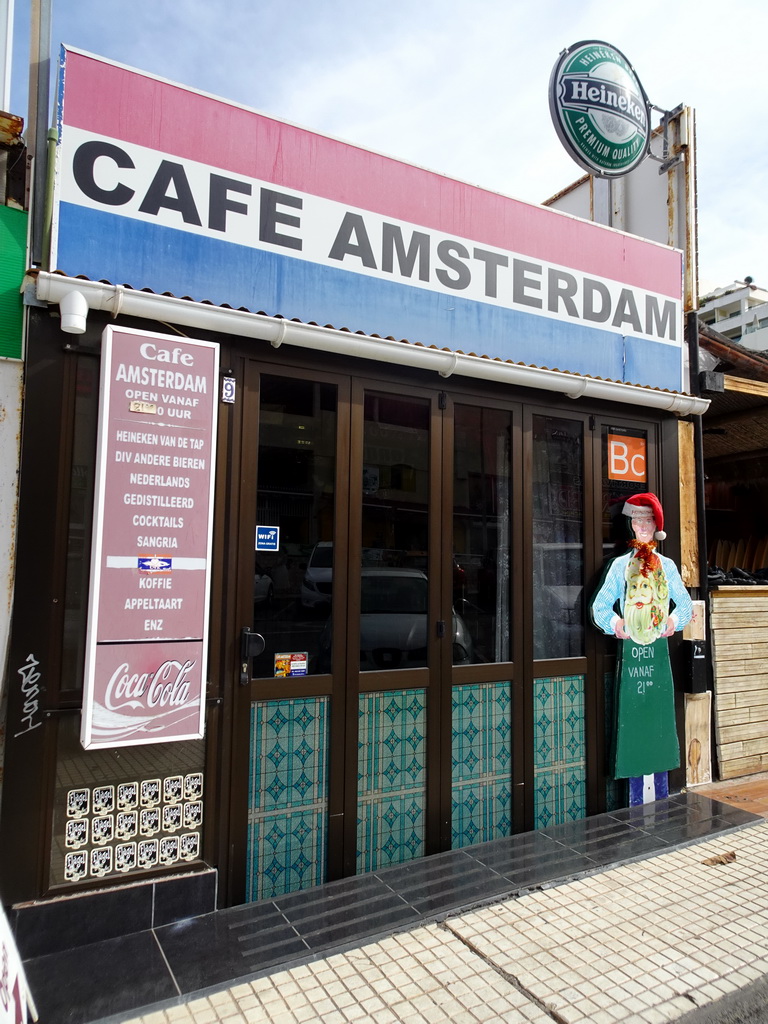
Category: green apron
<point>646,736</point>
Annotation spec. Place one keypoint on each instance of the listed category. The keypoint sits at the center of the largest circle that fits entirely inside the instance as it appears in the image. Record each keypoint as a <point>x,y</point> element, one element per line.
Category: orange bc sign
<point>627,458</point>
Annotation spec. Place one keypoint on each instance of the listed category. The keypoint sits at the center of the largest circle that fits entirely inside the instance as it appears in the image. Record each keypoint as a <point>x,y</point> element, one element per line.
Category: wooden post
<point>698,749</point>
<point>689,538</point>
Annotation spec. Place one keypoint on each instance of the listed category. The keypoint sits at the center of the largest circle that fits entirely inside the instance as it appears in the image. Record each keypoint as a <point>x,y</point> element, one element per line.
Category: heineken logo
<point>599,108</point>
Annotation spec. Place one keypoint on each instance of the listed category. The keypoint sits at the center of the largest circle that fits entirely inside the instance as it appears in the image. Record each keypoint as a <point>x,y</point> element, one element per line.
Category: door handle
<point>251,646</point>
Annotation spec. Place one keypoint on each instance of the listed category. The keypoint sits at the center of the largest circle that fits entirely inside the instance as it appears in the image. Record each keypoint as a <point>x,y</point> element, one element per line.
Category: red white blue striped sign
<point>164,188</point>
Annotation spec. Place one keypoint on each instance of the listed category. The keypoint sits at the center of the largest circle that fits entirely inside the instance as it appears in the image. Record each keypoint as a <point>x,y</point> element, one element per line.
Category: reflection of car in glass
<point>316,585</point>
<point>394,623</point>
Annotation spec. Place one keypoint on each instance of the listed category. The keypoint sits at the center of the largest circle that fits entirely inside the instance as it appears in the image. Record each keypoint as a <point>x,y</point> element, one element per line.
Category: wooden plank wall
<point>739,621</point>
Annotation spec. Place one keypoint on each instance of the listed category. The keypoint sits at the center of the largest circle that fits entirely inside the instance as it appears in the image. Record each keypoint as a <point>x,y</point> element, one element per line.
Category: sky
<point>461,86</point>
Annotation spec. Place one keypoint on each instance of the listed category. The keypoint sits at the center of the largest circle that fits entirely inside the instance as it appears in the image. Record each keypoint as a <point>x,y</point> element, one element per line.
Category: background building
<point>739,312</point>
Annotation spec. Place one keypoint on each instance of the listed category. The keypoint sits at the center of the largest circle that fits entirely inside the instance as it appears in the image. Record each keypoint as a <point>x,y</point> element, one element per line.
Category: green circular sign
<point>599,108</point>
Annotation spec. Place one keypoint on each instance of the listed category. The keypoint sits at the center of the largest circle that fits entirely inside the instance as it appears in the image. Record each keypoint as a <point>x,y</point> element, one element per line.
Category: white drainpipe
<point>75,297</point>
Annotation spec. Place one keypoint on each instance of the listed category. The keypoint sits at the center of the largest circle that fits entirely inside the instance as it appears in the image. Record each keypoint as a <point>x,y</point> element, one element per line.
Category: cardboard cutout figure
<point>642,601</point>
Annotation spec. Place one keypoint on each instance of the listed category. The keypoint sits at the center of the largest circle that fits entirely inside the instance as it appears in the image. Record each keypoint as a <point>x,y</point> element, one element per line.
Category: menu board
<point>151,553</point>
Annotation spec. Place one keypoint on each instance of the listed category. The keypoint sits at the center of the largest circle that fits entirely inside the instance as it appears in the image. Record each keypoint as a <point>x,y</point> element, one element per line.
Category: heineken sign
<point>599,108</point>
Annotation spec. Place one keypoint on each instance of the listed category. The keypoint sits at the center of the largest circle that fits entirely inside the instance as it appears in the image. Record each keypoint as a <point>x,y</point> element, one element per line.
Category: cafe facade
<point>322,457</point>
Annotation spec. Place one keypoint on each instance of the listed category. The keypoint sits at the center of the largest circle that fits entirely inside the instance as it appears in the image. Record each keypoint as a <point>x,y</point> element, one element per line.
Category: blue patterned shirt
<point>613,589</point>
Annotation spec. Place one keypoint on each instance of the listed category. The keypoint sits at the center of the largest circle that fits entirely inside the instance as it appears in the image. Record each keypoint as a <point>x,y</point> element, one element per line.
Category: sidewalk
<point>644,942</point>
<point>608,918</point>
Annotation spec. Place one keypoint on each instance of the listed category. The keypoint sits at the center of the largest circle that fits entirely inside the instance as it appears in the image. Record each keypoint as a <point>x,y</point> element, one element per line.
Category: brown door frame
<point>236,748</point>
<point>486,672</point>
<point>533,668</point>
<point>423,678</point>
<point>347,683</point>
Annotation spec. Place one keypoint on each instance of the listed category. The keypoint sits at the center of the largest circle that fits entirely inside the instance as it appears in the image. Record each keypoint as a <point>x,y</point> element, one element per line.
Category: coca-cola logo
<point>168,686</point>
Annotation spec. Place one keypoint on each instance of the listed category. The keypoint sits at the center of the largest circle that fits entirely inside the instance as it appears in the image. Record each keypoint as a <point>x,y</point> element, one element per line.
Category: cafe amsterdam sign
<point>599,108</point>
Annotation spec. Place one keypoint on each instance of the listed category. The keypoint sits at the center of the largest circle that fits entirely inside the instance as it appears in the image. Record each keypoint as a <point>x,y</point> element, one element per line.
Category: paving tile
<point>444,882</point>
<point>614,849</point>
<point>333,894</point>
<point>207,951</point>
<point>556,941</point>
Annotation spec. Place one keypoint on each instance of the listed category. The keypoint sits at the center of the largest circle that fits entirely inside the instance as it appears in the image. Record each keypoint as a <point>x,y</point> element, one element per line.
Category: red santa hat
<point>638,502</point>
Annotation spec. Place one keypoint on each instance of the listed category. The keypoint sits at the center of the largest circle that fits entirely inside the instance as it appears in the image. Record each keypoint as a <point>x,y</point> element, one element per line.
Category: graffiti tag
<point>31,691</point>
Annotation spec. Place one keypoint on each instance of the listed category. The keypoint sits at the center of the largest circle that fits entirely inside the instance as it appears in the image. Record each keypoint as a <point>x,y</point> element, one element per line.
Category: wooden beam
<point>689,533</point>
<point>746,592</point>
<point>746,387</point>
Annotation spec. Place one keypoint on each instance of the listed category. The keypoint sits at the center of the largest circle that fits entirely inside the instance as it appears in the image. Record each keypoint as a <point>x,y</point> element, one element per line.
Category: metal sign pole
<point>601,200</point>
<point>39,107</point>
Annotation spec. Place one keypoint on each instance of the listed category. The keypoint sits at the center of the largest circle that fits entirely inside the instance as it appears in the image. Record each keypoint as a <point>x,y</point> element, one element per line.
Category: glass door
<point>484,777</point>
<point>397,633</point>
<point>290,714</point>
<point>342,651</point>
<point>560,553</point>
<point>294,532</point>
<point>417,668</point>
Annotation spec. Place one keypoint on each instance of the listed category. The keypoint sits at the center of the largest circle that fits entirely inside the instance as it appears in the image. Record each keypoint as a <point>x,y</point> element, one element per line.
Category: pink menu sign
<point>147,641</point>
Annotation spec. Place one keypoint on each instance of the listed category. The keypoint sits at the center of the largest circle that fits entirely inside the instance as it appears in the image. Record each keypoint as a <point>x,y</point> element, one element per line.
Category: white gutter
<point>78,296</point>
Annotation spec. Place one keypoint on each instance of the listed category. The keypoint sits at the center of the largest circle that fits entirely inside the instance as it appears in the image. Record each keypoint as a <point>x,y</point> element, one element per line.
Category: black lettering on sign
<point>626,311</point>
<point>270,216</point>
<point>84,167</point>
<point>523,282</point>
<point>219,201</point>
<point>353,227</point>
<point>448,251</point>
<point>562,288</point>
<point>170,173</point>
<point>392,243</point>
<point>662,323</point>
<point>597,309</point>
<point>492,261</point>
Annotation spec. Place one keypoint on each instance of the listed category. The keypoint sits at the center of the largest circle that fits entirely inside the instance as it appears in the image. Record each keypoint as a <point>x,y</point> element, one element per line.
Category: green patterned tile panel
<point>287,796</point>
<point>481,793</point>
<point>392,774</point>
<point>559,750</point>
